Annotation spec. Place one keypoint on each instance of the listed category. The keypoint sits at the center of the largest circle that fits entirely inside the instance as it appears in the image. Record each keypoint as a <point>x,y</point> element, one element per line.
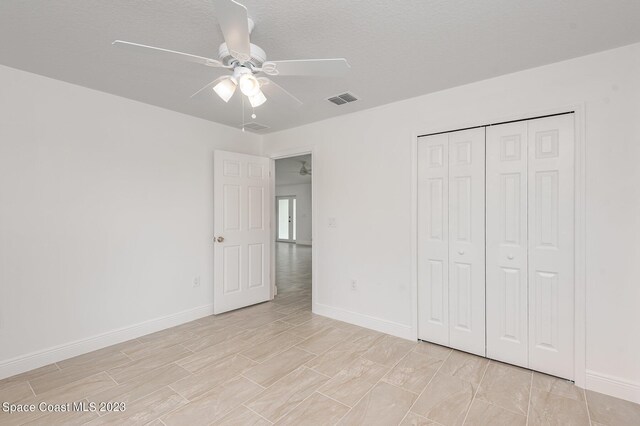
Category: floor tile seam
<point>495,403</point>
<point>529,403</point>
<point>315,371</point>
<point>164,364</point>
<point>222,383</point>
<point>74,381</point>
<point>425,388</point>
<point>378,381</point>
<point>261,325</point>
<point>149,393</point>
<point>252,381</point>
<point>186,348</point>
<point>244,404</point>
<point>333,399</point>
<point>168,413</point>
<point>247,358</point>
<point>584,394</point>
<point>326,350</point>
<point>300,403</point>
<point>31,387</point>
<point>201,396</point>
<point>292,324</point>
<point>382,380</point>
<point>475,393</point>
<point>501,407</point>
<point>283,377</point>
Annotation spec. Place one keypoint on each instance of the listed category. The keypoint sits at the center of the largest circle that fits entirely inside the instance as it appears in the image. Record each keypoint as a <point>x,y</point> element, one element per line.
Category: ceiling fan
<point>246,61</point>
<point>304,170</point>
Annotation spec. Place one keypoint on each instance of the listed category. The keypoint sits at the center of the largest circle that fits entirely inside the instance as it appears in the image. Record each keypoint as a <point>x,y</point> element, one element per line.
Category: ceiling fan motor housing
<point>258,56</point>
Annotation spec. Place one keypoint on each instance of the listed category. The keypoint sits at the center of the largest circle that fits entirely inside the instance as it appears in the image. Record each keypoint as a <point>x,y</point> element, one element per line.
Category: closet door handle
<point>460,252</point>
<point>510,257</point>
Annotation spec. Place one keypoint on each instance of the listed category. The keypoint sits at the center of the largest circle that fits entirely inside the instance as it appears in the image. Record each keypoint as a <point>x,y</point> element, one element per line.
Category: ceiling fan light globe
<point>257,99</point>
<point>225,89</point>
<point>249,85</point>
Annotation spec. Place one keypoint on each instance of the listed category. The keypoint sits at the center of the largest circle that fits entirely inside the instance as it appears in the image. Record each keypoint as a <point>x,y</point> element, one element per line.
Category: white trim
<point>614,386</point>
<point>294,152</point>
<point>414,235</point>
<point>580,220</point>
<point>38,359</point>
<point>580,245</point>
<point>378,324</point>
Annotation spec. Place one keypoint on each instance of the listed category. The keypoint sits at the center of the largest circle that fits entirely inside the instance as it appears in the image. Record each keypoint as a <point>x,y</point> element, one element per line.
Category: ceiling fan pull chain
<point>243,113</point>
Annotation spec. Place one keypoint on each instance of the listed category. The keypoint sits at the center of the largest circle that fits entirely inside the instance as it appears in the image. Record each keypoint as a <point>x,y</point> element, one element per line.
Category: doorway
<point>292,236</point>
<point>286,218</point>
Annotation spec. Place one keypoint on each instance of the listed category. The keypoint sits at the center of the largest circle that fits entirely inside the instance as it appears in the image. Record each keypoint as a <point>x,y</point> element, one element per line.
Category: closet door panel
<point>551,240</point>
<point>433,239</point>
<point>507,317</point>
<point>466,240</point>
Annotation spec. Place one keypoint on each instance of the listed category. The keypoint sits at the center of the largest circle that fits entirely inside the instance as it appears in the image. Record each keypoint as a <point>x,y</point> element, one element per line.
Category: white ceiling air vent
<point>342,99</point>
<point>256,127</point>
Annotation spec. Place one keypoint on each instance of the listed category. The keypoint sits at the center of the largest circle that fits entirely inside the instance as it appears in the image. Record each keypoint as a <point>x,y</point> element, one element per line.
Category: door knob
<point>220,239</point>
<point>460,252</point>
<point>510,257</point>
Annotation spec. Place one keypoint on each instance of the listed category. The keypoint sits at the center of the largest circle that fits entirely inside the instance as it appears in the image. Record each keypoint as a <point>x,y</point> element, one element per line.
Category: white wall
<point>106,217</point>
<point>302,193</point>
<point>363,178</point>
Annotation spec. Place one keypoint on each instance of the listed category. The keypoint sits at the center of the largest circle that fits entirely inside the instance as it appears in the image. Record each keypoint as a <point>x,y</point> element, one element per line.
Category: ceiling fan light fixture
<point>225,89</point>
<point>257,99</point>
<point>249,85</point>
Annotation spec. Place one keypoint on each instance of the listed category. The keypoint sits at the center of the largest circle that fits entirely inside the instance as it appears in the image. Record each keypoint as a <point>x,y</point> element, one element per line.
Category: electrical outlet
<point>333,222</point>
<point>196,282</point>
<point>354,285</point>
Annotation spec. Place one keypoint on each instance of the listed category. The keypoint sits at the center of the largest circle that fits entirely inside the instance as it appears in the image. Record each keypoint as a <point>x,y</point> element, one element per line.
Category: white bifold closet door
<point>530,244</point>
<point>451,246</point>
<point>507,245</point>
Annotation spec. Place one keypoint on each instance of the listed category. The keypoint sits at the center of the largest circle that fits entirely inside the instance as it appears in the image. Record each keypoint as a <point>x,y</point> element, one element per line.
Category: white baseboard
<point>614,386</point>
<point>378,324</point>
<point>38,359</point>
<point>303,243</point>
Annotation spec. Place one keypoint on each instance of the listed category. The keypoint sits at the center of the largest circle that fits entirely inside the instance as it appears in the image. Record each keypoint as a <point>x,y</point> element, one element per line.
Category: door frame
<point>292,224</point>
<point>278,155</point>
<point>578,108</point>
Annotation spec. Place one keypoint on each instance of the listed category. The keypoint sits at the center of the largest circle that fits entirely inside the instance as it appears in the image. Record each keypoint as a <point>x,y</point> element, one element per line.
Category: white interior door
<point>242,231</point>
<point>507,299</point>
<point>551,245</point>
<point>466,240</point>
<point>433,239</point>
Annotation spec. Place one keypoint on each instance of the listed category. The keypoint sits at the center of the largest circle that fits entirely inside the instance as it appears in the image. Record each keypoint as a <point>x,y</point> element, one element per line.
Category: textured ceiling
<point>288,170</point>
<point>397,49</point>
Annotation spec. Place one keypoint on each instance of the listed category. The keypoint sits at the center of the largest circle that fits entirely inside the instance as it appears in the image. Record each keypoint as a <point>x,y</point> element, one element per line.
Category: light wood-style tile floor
<point>277,363</point>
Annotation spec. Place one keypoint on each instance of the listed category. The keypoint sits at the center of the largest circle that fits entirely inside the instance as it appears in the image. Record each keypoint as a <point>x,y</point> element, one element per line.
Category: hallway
<point>293,268</point>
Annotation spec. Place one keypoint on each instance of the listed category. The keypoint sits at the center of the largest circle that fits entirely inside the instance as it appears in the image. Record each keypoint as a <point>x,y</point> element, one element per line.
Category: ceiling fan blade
<point>209,86</point>
<point>158,51</point>
<point>273,90</point>
<point>311,67</point>
<point>234,22</point>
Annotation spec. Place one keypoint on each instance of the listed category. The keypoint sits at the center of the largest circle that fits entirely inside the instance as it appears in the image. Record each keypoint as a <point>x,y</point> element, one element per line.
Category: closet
<point>495,242</point>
